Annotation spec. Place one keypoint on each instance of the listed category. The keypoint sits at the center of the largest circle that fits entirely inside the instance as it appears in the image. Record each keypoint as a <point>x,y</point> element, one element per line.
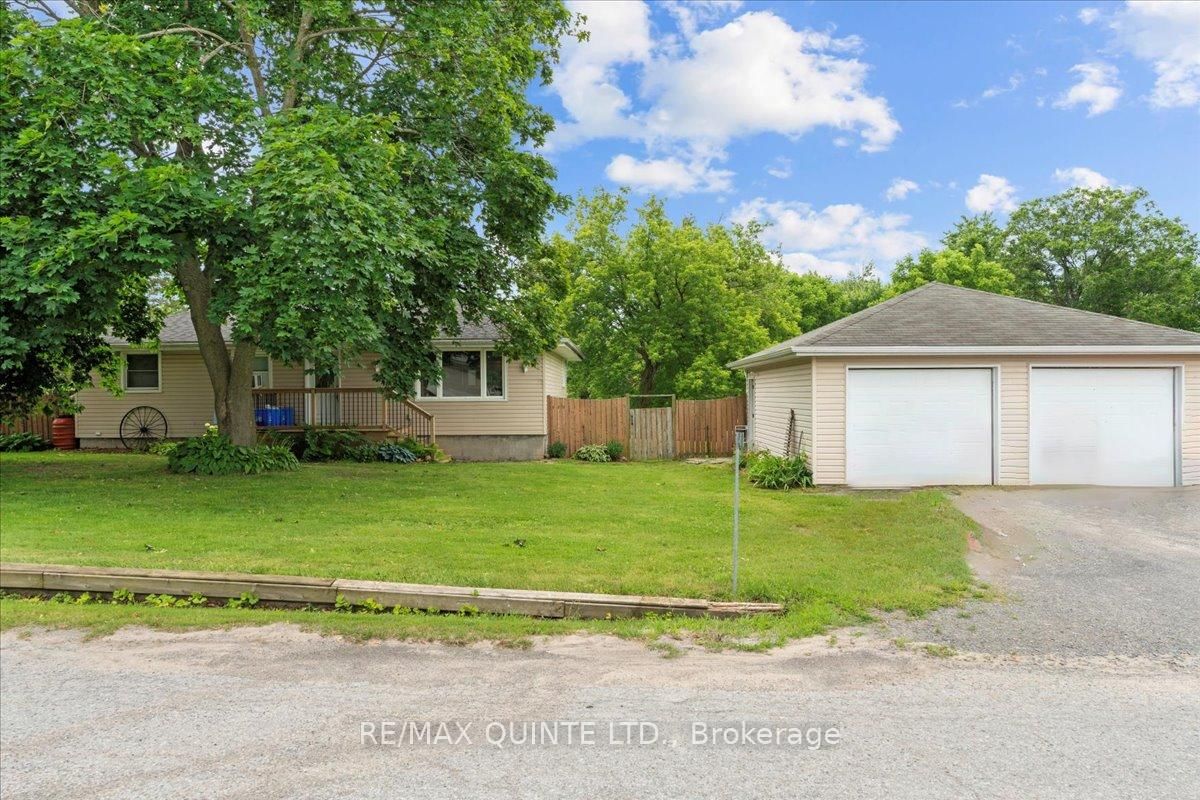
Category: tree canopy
<point>1108,250</point>
<point>971,270</point>
<point>662,307</point>
<point>331,176</point>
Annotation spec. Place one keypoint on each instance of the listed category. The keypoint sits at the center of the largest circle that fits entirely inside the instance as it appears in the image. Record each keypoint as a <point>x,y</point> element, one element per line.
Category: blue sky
<point>803,115</point>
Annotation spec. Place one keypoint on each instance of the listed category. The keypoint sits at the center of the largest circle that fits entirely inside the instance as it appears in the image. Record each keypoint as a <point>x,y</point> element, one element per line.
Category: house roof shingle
<point>940,315</point>
<point>177,328</point>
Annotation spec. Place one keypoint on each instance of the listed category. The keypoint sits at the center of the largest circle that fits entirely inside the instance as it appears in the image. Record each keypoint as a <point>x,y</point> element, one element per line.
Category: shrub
<point>424,452</point>
<point>278,439</point>
<point>163,448</point>
<point>214,454</point>
<point>22,443</point>
<point>363,453</point>
<point>556,450</point>
<point>327,444</point>
<point>777,472</point>
<point>614,449</point>
<point>593,452</point>
<point>748,457</point>
<point>395,453</point>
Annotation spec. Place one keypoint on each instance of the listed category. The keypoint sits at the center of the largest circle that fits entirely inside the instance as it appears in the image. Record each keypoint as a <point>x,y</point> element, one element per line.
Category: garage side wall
<point>829,407</point>
<point>777,393</point>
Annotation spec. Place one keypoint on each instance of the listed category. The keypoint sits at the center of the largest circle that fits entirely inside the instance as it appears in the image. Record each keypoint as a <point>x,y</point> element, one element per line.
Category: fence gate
<point>651,434</point>
<point>650,426</point>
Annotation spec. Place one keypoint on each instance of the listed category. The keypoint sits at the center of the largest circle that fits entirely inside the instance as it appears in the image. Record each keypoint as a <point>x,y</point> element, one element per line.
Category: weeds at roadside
<point>940,650</point>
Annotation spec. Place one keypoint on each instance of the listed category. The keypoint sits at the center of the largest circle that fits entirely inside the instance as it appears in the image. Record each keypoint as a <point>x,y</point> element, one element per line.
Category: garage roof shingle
<point>940,315</point>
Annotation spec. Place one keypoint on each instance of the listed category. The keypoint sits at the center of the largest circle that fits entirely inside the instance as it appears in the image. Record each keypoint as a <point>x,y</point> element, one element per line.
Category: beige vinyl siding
<point>777,393</point>
<point>554,369</point>
<point>286,376</point>
<point>829,407</point>
<point>185,398</point>
<point>359,374</point>
<point>1190,433</point>
<point>1014,422</point>
<point>522,412</point>
<point>829,421</point>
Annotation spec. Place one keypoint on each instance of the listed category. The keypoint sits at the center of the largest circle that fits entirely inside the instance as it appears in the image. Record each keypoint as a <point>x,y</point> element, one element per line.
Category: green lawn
<point>646,528</point>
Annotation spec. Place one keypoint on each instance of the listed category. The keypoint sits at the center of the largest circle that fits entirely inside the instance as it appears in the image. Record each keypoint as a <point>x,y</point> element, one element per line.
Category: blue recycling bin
<point>274,417</point>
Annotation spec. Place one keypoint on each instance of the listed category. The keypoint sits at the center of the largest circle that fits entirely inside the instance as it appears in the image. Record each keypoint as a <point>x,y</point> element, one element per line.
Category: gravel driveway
<point>1084,682</point>
<point>1081,572</point>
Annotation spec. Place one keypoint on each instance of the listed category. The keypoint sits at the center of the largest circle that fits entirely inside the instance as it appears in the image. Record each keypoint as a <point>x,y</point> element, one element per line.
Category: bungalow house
<point>485,407</point>
<point>945,385</point>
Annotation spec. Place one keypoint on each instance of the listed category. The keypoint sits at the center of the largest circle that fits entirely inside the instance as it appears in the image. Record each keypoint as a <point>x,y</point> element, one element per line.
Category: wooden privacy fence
<point>686,428</point>
<point>705,427</point>
<point>578,422</point>
<point>38,423</point>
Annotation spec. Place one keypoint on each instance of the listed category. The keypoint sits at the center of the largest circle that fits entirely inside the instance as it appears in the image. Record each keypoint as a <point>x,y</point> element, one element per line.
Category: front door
<point>328,404</point>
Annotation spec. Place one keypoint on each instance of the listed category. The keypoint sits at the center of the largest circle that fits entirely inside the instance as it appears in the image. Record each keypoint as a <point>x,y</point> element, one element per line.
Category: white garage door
<point>1102,426</point>
<point>918,427</point>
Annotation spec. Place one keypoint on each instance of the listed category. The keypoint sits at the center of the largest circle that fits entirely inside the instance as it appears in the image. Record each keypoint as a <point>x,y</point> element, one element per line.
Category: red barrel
<point>62,433</point>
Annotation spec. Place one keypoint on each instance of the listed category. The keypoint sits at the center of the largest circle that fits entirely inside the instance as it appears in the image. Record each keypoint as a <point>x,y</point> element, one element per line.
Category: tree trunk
<point>235,413</point>
<point>649,374</point>
<point>229,374</point>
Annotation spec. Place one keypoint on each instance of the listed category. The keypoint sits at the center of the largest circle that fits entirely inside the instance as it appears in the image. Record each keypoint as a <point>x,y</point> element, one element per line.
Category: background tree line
<point>660,307</point>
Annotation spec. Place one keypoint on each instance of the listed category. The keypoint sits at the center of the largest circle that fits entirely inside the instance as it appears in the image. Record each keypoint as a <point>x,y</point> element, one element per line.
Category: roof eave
<point>762,359</point>
<point>569,351</point>
<point>892,350</point>
<point>768,359</point>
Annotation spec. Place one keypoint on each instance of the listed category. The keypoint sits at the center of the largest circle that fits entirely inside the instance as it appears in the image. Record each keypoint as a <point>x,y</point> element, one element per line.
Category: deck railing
<point>361,409</point>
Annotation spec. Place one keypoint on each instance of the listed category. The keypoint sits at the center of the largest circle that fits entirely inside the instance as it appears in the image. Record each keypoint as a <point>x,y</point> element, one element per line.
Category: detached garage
<point>951,386</point>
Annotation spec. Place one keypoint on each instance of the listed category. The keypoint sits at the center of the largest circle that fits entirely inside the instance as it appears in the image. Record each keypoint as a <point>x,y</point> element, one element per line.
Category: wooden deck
<point>365,410</point>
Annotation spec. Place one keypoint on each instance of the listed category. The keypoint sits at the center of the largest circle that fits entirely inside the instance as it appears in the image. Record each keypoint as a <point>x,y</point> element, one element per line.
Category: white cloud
<point>1098,88</point>
<point>668,175</point>
<point>1011,85</point>
<point>992,193</point>
<point>691,14</point>
<point>780,168</point>
<point>587,80</point>
<point>900,188</point>
<point>686,96</point>
<point>1088,15</point>
<point>834,240</point>
<point>1081,176</point>
<point>1167,34</point>
<point>757,74</point>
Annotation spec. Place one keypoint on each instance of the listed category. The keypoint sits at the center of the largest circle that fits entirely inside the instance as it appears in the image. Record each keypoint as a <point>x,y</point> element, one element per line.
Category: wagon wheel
<point>142,427</point>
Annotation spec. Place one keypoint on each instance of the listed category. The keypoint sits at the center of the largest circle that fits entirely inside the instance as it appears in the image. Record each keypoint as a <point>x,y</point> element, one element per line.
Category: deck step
<point>325,591</point>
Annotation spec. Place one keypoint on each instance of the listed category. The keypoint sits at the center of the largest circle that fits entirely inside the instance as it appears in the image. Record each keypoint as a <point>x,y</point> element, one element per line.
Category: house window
<point>261,377</point>
<point>466,375</point>
<point>141,372</point>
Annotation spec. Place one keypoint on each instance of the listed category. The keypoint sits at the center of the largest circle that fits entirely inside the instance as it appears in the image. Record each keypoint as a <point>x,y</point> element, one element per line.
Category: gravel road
<point>276,713</point>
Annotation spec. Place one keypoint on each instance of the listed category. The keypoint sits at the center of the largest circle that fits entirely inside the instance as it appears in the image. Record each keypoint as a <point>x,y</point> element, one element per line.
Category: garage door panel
<point>1102,426</point>
<point>913,427</point>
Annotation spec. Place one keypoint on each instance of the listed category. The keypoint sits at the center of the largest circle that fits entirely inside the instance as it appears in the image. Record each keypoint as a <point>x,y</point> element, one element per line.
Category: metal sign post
<point>739,441</point>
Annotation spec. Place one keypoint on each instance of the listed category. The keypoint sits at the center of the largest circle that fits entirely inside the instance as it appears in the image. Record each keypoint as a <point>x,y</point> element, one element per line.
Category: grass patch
<point>940,650</point>
<point>630,528</point>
